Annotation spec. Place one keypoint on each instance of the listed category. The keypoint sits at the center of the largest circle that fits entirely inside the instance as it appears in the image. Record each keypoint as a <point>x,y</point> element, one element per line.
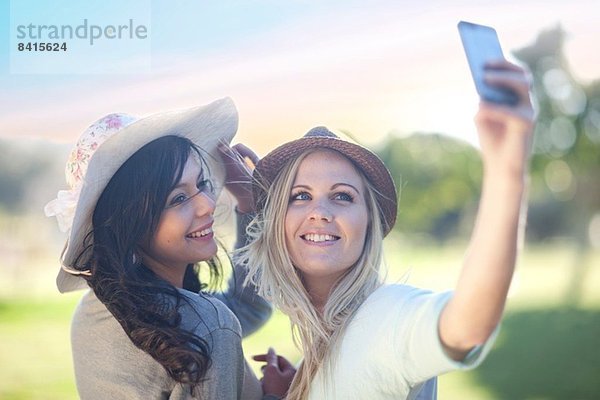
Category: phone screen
<point>481,45</point>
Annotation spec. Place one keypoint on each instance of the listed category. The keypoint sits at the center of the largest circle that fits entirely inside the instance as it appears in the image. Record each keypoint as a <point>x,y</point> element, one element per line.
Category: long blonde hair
<point>271,270</point>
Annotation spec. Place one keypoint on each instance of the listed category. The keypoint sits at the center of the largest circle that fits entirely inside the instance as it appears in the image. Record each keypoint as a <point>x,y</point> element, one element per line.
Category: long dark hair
<point>146,306</point>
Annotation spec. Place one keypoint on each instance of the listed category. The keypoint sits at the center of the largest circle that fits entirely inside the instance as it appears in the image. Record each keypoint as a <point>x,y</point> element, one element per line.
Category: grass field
<point>548,348</point>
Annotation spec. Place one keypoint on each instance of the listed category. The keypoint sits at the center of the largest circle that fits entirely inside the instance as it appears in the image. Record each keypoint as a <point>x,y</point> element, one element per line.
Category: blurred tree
<point>566,162</point>
<point>11,176</point>
<point>30,174</point>
<point>441,175</point>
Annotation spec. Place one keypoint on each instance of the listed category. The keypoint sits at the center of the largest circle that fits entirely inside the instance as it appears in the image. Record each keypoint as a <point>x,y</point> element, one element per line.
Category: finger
<point>520,88</point>
<point>224,147</point>
<point>502,64</point>
<point>260,357</point>
<point>499,112</point>
<point>511,75</point>
<point>237,167</point>
<point>271,357</point>
<point>246,153</point>
<point>514,81</point>
<point>228,153</point>
<point>284,363</point>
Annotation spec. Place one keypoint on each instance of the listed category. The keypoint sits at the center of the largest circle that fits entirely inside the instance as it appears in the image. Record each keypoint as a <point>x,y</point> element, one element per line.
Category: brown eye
<point>177,200</point>
<point>205,184</point>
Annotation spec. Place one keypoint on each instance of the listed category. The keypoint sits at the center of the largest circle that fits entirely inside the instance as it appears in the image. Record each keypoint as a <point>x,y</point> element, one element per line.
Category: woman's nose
<point>320,213</point>
<point>203,204</point>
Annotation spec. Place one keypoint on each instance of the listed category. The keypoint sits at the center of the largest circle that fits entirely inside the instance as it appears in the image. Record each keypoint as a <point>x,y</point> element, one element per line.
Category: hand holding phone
<point>481,45</point>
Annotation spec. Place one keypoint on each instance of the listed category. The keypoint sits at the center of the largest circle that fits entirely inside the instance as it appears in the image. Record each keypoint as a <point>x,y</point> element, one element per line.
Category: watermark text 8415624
<point>42,46</point>
<point>80,37</point>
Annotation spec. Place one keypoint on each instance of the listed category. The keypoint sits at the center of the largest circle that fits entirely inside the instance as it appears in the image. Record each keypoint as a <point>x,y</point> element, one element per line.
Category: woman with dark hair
<point>142,200</point>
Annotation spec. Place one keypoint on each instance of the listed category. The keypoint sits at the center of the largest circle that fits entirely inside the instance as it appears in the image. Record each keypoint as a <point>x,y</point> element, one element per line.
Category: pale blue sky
<point>369,67</point>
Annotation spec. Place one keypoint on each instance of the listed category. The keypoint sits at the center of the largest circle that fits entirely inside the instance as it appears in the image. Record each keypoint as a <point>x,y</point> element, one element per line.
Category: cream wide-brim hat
<point>206,126</point>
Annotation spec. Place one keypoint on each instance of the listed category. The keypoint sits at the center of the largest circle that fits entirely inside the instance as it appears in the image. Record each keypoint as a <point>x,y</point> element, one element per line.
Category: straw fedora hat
<point>106,145</point>
<point>320,137</point>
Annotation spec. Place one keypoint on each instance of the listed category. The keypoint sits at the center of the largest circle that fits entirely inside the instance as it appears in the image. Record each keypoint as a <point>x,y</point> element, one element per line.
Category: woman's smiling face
<point>184,233</point>
<point>327,217</point>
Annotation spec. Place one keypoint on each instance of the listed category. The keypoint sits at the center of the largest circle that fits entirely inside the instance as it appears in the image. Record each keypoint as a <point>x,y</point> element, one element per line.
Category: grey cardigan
<point>108,366</point>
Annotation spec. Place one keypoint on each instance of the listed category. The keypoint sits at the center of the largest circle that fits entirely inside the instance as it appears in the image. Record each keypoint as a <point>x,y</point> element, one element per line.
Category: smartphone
<point>481,45</point>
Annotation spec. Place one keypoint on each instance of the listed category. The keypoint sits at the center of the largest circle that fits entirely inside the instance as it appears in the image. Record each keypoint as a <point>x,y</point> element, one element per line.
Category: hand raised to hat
<point>239,163</point>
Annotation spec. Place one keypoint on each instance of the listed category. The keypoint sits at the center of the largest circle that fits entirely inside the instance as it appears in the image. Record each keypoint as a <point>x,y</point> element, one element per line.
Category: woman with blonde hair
<point>324,206</point>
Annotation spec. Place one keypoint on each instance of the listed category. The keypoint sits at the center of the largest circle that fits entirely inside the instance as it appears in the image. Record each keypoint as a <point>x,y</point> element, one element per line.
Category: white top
<point>391,347</point>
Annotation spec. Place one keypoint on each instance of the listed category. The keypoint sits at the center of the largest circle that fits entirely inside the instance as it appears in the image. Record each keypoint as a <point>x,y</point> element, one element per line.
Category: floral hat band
<point>63,207</point>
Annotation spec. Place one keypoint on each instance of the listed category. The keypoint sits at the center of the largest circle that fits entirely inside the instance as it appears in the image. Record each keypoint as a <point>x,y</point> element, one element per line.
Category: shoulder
<point>396,294</point>
<point>102,350</point>
<point>90,310</point>
<point>397,305</point>
<point>203,313</point>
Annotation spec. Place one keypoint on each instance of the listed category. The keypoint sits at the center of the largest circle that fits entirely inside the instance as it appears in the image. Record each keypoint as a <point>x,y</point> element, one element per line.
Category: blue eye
<point>343,196</point>
<point>300,196</point>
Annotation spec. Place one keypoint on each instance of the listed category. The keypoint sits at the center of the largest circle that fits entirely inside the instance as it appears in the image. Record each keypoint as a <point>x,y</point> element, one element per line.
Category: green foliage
<point>545,354</point>
<point>439,179</point>
<point>35,354</point>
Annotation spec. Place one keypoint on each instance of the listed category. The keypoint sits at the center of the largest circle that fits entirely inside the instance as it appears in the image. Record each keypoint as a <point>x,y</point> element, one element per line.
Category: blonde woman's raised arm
<point>505,135</point>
